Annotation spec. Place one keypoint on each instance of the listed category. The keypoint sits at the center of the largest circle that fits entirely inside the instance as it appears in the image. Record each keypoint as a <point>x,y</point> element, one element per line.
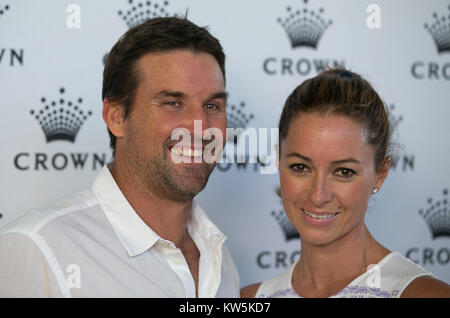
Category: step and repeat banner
<point>51,63</point>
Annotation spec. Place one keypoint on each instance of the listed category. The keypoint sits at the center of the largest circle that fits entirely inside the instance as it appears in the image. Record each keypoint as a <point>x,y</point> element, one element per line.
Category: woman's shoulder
<point>426,287</point>
<point>412,279</point>
<point>250,290</point>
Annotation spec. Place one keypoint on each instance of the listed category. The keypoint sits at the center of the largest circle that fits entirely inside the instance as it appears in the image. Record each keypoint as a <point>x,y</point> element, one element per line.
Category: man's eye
<point>211,106</point>
<point>172,103</point>
<point>345,173</point>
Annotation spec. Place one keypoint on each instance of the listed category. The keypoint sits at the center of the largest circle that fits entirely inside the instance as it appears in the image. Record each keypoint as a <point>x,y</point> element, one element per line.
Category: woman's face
<point>327,175</point>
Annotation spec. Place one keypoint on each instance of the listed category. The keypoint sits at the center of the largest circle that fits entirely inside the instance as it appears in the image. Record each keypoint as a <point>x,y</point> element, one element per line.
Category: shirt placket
<point>178,264</point>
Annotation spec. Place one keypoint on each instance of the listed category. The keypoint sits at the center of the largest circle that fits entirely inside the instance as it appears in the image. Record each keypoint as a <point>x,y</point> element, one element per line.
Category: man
<point>137,232</point>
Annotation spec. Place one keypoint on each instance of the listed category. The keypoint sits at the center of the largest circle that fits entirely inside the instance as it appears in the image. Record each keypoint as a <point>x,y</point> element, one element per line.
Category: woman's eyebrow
<point>334,162</point>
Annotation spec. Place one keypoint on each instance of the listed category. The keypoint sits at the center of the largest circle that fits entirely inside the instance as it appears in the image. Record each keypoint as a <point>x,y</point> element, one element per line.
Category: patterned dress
<point>387,279</point>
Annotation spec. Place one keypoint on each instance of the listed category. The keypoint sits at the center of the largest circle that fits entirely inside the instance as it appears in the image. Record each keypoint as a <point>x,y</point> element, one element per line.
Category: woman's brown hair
<point>339,91</point>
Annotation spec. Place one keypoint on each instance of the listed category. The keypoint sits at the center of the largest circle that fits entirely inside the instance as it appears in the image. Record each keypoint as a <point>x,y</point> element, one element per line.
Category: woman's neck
<point>324,270</point>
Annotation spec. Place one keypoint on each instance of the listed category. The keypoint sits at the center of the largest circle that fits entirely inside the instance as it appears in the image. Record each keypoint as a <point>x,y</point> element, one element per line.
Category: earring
<point>374,190</point>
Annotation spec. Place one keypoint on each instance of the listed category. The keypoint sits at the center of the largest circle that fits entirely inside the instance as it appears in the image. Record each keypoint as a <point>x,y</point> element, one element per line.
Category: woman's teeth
<point>319,216</point>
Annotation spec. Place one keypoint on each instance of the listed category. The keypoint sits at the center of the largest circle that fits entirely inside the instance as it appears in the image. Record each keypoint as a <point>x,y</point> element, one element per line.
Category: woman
<point>333,155</point>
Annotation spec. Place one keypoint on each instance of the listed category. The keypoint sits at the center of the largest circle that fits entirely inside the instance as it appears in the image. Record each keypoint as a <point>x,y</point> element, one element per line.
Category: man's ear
<point>113,116</point>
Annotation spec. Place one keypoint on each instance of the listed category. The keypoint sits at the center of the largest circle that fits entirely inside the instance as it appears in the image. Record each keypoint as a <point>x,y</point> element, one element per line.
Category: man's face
<point>175,88</point>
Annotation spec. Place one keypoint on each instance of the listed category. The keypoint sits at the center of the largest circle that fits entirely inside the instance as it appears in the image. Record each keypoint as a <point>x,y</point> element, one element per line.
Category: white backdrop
<point>45,56</point>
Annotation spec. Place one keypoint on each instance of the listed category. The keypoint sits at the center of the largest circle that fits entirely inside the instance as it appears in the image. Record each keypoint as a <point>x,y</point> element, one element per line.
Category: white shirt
<point>387,279</point>
<point>93,244</point>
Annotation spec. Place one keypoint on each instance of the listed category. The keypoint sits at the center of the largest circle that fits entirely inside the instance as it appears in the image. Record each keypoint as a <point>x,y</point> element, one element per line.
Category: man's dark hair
<point>121,76</point>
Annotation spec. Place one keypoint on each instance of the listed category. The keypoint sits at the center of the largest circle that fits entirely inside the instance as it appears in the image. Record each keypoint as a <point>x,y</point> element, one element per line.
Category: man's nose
<point>196,121</point>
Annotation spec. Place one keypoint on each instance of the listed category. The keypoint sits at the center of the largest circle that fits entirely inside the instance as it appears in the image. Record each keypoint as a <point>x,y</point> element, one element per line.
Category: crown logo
<point>288,229</point>
<point>3,10</point>
<point>437,216</point>
<point>237,118</point>
<point>141,11</point>
<point>61,119</point>
<point>439,29</point>
<point>304,27</point>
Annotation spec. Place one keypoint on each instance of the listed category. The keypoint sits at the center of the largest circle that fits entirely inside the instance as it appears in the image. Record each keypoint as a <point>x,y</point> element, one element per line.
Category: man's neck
<point>166,218</point>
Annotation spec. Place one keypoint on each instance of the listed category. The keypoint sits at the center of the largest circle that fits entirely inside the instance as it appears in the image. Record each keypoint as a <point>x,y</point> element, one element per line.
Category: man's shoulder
<point>34,220</point>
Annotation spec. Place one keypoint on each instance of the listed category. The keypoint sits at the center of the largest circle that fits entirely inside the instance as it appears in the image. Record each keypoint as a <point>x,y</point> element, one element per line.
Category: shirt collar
<point>201,224</point>
<point>136,236</point>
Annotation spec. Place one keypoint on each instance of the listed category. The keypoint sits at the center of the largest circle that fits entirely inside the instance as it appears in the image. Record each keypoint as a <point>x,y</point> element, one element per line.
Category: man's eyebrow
<point>166,93</point>
<point>177,94</point>
<point>217,95</point>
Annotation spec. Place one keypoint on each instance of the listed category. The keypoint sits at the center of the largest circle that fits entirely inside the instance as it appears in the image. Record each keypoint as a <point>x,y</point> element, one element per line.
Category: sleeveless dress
<point>387,279</point>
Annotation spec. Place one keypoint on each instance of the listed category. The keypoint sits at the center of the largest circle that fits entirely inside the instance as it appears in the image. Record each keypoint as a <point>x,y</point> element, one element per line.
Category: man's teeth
<point>186,152</point>
<point>321,216</point>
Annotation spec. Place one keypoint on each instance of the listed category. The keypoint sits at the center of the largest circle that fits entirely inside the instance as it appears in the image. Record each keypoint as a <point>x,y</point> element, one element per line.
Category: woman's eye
<point>345,173</point>
<point>298,167</point>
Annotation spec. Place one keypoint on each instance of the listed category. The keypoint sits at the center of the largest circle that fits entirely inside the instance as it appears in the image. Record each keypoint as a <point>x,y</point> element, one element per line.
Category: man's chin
<point>196,175</point>
<point>184,192</point>
<point>190,179</point>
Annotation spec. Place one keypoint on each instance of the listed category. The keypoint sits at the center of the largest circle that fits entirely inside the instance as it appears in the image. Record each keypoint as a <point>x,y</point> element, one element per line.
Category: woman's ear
<point>113,116</point>
<point>277,151</point>
<point>382,173</point>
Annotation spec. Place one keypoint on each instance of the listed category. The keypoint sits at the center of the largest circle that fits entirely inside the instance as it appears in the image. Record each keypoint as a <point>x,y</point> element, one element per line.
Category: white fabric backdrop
<point>42,50</point>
